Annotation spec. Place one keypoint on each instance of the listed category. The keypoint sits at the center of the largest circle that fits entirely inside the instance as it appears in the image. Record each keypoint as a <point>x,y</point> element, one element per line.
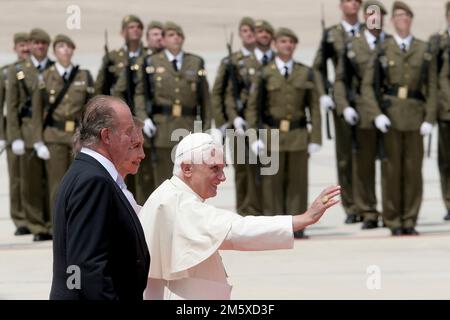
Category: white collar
<point>370,38</point>
<point>134,54</point>
<point>259,54</point>
<point>406,41</point>
<point>105,162</point>
<point>37,63</point>
<point>246,52</point>
<point>179,183</point>
<point>281,64</point>
<point>348,27</point>
<point>179,57</point>
<point>61,69</point>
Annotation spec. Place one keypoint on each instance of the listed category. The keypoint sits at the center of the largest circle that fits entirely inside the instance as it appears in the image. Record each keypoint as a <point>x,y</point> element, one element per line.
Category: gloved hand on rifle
<point>382,123</point>
<point>41,150</point>
<point>258,147</point>
<point>149,128</point>
<point>326,103</point>
<point>351,116</point>
<point>239,125</point>
<point>18,147</point>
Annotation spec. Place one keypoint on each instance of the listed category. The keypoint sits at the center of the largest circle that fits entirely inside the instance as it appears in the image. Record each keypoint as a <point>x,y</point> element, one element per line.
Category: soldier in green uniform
<point>284,98</point>
<point>124,62</point>
<point>59,101</point>
<point>351,66</point>
<point>230,82</point>
<point>248,70</point>
<point>332,45</point>
<point>171,94</point>
<point>21,48</point>
<point>405,113</point>
<point>23,79</point>
<point>154,37</point>
<point>441,51</point>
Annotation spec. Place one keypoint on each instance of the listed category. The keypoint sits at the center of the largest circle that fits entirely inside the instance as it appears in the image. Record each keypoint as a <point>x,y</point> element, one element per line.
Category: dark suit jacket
<point>96,229</point>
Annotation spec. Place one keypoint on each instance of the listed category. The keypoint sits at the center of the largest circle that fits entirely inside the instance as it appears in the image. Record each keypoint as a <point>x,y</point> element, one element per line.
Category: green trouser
<point>344,163</point>
<point>402,178</point>
<point>144,179</point>
<point>444,160</point>
<point>364,166</point>
<point>163,167</point>
<point>60,159</point>
<point>15,205</point>
<point>33,192</point>
<point>248,193</point>
<point>286,192</point>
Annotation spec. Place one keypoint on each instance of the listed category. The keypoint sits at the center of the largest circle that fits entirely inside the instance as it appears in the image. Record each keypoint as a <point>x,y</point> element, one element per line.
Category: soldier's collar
<point>61,70</point>
<point>281,64</point>
<point>259,54</point>
<point>37,63</point>
<point>407,40</point>
<point>348,27</point>
<point>170,56</point>
<point>246,52</point>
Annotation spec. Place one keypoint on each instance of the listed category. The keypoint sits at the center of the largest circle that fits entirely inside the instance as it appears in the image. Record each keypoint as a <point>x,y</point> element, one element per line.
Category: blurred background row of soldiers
<point>389,91</point>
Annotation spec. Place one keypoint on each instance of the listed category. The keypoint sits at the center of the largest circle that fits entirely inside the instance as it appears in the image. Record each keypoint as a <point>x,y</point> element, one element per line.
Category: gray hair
<point>98,115</point>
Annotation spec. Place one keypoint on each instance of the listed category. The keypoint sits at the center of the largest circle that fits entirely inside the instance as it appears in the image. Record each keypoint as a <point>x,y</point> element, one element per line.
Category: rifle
<point>149,94</point>
<point>130,72</point>
<point>231,73</point>
<point>326,53</point>
<point>108,76</point>
<point>378,81</point>
<point>261,107</point>
<point>350,72</point>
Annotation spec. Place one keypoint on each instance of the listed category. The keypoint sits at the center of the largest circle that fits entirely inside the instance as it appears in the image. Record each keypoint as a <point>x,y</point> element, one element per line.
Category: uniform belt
<point>286,125</point>
<point>403,92</point>
<point>175,110</point>
<point>67,126</point>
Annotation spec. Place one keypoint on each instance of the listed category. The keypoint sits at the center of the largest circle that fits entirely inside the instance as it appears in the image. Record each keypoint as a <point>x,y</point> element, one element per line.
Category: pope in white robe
<point>184,234</point>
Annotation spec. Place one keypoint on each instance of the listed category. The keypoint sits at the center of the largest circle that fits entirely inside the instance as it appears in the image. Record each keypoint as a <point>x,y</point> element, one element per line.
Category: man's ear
<point>104,136</point>
<point>186,169</point>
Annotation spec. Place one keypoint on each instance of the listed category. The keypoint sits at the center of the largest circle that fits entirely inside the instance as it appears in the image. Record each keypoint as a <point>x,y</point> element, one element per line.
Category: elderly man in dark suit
<point>99,248</point>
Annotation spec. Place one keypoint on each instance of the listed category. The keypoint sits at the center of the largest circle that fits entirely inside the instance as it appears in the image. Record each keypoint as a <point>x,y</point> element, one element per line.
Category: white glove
<point>2,144</point>
<point>217,135</point>
<point>18,147</point>
<point>149,128</point>
<point>313,148</point>
<point>41,150</point>
<point>239,124</point>
<point>426,128</point>
<point>382,123</point>
<point>257,147</point>
<point>351,116</point>
<point>326,103</point>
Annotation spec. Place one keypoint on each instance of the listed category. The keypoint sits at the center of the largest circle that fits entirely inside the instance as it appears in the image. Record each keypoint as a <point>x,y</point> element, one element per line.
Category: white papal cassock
<point>184,236</point>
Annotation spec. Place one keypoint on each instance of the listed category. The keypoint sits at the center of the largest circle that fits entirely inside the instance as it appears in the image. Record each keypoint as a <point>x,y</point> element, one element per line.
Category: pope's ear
<point>186,169</point>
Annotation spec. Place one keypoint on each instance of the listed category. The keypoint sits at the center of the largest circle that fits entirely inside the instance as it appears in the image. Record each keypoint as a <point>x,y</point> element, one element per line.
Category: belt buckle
<point>69,126</point>
<point>403,92</point>
<point>176,110</point>
<point>285,125</point>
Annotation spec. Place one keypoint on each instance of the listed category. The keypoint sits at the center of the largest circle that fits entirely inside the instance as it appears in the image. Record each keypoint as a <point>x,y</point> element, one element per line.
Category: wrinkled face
<point>39,49</point>
<point>173,41</point>
<point>263,38</point>
<point>205,177</point>
<point>132,32</point>
<point>135,155</point>
<point>350,7</point>
<point>247,35</point>
<point>401,20</point>
<point>63,53</point>
<point>119,141</point>
<point>155,39</point>
<point>22,49</point>
<point>285,46</point>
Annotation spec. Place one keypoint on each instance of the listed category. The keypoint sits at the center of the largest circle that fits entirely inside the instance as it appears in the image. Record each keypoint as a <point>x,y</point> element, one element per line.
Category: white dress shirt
<point>407,41</point>
<point>281,65</point>
<point>109,166</point>
<point>40,64</point>
<point>259,55</point>
<point>61,70</point>
<point>348,27</point>
<point>246,52</point>
<point>179,58</point>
